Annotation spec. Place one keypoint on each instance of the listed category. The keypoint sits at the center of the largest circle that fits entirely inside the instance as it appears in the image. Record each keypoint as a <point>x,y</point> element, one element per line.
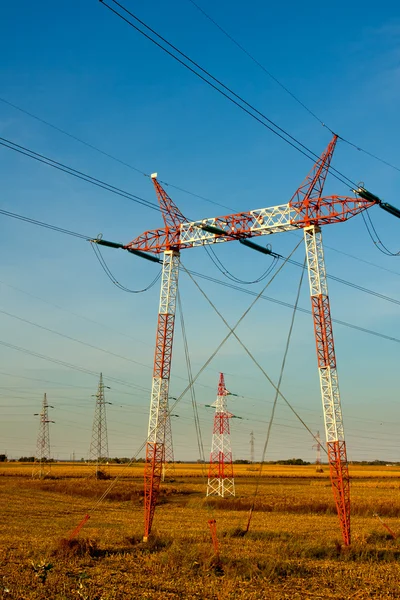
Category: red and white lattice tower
<point>308,209</point>
<point>220,471</point>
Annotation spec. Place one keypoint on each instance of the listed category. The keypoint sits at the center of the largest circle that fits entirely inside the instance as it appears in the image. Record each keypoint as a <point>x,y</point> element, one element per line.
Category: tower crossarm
<point>262,221</point>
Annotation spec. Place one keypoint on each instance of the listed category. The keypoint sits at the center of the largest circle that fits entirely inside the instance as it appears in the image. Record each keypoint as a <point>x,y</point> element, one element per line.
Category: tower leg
<point>336,444</point>
<point>157,432</point>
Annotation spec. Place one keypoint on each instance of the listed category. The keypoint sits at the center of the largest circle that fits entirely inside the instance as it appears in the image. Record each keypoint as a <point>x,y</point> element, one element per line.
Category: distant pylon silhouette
<point>98,452</point>
<point>43,440</point>
<point>318,445</point>
<point>252,447</point>
<point>220,472</point>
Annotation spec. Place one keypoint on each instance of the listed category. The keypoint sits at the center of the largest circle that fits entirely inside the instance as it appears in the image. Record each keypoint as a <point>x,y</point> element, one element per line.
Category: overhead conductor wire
<point>223,270</point>
<point>111,277</point>
<point>196,415</point>
<point>231,331</point>
<point>75,173</point>
<point>287,90</point>
<point>234,98</point>
<point>276,398</point>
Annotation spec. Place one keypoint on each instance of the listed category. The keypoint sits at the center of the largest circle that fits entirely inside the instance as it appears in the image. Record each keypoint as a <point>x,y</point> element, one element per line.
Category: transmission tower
<point>251,447</point>
<point>98,452</point>
<point>220,472</point>
<point>43,440</point>
<point>308,209</point>
<point>318,446</point>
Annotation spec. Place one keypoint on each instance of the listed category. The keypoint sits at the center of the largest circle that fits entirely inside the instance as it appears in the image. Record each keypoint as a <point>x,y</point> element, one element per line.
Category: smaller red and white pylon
<point>220,473</point>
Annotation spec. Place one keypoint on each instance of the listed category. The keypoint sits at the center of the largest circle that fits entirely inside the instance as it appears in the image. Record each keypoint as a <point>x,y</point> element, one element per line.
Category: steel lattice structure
<point>98,452</point>
<point>159,420</point>
<point>308,209</point>
<point>43,439</point>
<point>220,473</point>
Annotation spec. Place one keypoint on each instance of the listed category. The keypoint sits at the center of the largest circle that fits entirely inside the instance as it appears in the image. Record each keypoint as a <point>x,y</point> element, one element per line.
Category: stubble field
<point>292,550</point>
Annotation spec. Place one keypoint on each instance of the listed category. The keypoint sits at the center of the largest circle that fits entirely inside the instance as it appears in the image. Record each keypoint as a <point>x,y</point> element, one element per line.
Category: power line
<point>72,339</point>
<point>7,213</point>
<point>223,269</point>
<point>97,323</point>
<point>307,108</point>
<point>261,118</point>
<point>243,49</point>
<point>377,242</point>
<point>288,305</point>
<point>271,420</point>
<point>75,173</point>
<point>232,286</point>
<point>107,154</point>
<point>64,363</point>
<point>113,280</point>
<point>217,262</point>
<point>69,170</point>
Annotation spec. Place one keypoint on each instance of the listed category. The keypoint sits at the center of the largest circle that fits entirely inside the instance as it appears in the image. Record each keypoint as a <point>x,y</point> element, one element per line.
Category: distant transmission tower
<point>220,472</point>
<point>43,440</point>
<point>317,446</point>
<point>98,452</point>
<point>252,447</point>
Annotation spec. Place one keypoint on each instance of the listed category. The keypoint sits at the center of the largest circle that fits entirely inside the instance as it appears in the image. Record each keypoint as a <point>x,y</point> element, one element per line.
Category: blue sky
<point>82,69</point>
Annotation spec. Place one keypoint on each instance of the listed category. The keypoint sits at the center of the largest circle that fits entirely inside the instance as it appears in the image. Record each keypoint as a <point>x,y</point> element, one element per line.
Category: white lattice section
<point>159,408</point>
<point>220,487</point>
<point>169,282</point>
<point>315,261</point>
<point>331,404</point>
<point>262,221</point>
<point>323,331</point>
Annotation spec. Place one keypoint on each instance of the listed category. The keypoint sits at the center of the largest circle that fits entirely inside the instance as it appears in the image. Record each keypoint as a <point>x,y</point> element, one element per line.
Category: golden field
<point>292,550</point>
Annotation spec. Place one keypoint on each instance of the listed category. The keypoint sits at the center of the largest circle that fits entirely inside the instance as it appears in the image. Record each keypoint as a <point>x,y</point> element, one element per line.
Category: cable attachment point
<point>366,195</point>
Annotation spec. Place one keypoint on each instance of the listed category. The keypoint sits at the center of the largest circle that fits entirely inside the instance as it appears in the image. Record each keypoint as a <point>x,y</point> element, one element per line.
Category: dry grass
<point>292,550</point>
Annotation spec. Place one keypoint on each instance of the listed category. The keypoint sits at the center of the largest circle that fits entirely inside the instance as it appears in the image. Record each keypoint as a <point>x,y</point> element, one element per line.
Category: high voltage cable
<point>113,280</point>
<point>75,173</point>
<point>307,108</point>
<point>288,305</point>
<point>277,391</point>
<point>97,323</point>
<point>243,49</point>
<point>172,185</point>
<point>378,242</point>
<point>233,286</point>
<point>65,364</point>
<point>72,339</point>
<point>74,137</point>
<point>221,268</point>
<point>7,213</point>
<point>261,118</point>
<point>49,330</point>
<point>232,331</point>
<point>217,262</point>
<point>108,155</point>
<point>193,380</point>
